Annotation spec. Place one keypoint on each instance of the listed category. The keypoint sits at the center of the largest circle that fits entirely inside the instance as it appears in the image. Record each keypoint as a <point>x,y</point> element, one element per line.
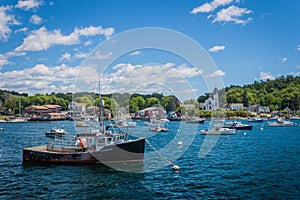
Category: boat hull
<point>40,154</point>
<point>131,151</point>
<point>213,132</point>
<point>246,127</point>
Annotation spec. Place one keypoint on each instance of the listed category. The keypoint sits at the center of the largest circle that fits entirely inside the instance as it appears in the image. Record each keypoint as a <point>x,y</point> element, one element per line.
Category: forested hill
<point>277,94</point>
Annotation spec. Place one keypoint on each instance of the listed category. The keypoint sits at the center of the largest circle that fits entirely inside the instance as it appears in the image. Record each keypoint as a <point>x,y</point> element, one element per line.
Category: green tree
<point>152,101</point>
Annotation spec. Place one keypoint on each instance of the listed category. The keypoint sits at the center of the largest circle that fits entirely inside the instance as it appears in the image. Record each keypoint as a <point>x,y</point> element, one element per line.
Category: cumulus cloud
<point>87,43</point>
<point>216,73</point>
<point>42,39</point>
<point>233,14</point>
<point>80,55</point>
<point>298,47</point>
<point>28,4</point>
<point>209,7</point>
<point>7,19</point>
<point>35,19</point>
<point>4,57</point>
<point>40,79</point>
<point>266,76</point>
<point>65,57</point>
<point>125,77</point>
<point>94,30</point>
<point>216,48</point>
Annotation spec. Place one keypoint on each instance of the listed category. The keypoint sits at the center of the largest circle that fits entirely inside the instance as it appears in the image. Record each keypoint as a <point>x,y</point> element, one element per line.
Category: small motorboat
<point>256,119</point>
<point>281,122</point>
<point>55,132</point>
<point>159,129</point>
<point>237,125</point>
<point>218,130</point>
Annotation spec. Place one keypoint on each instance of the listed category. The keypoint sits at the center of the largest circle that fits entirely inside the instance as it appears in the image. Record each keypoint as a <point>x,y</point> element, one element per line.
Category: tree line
<point>278,94</point>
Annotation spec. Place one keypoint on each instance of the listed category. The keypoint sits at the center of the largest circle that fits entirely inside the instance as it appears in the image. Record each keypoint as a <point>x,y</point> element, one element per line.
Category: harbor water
<point>262,163</point>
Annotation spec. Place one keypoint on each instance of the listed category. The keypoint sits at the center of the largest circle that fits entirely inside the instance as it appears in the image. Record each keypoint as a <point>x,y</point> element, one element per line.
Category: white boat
<point>219,131</point>
<point>281,122</point>
<point>237,125</point>
<point>56,132</point>
<point>156,122</point>
<point>159,129</point>
<point>126,124</point>
<point>256,119</point>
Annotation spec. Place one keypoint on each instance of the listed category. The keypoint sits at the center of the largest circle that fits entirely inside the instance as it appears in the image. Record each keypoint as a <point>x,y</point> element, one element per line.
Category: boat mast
<point>101,104</point>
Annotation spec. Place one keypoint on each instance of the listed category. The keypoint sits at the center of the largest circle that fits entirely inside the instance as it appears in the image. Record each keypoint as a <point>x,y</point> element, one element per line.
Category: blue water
<point>255,164</point>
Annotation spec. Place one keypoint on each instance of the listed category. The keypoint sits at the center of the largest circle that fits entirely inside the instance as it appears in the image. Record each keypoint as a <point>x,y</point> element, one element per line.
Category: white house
<point>236,106</point>
<point>77,109</point>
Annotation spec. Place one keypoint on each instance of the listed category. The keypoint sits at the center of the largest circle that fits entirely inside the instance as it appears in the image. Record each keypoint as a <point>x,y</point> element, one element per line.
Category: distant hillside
<point>277,94</point>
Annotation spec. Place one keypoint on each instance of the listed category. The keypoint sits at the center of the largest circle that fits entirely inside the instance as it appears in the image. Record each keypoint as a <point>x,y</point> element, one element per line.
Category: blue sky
<point>43,43</point>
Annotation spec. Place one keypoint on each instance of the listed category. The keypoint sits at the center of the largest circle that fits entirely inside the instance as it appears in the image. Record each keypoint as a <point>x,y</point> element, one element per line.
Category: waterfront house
<point>236,106</point>
<point>77,109</point>
<point>259,109</point>
<point>42,112</point>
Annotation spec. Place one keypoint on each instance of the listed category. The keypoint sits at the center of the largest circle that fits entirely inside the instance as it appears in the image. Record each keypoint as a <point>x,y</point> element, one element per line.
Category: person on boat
<point>79,142</point>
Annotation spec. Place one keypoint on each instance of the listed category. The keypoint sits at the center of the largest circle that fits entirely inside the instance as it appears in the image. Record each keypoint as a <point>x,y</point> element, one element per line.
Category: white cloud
<point>4,57</point>
<point>87,43</point>
<point>3,61</point>
<point>298,47</point>
<point>65,57</point>
<point>80,55</point>
<point>209,7</point>
<point>35,19</point>
<point>94,30</point>
<point>40,79</point>
<point>135,53</point>
<point>216,74</point>
<point>283,60</point>
<point>28,4</point>
<point>266,75</point>
<point>233,14</point>
<point>149,77</point>
<point>217,48</point>
<point>100,56</point>
<point>42,39</point>
<point>6,20</point>
<point>21,30</point>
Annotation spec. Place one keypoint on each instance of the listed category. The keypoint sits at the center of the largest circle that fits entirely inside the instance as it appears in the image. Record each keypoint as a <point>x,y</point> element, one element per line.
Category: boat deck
<point>54,149</point>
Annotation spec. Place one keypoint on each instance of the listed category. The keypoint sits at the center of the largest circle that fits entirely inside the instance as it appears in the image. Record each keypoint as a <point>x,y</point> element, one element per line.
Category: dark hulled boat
<point>126,151</point>
<point>237,125</point>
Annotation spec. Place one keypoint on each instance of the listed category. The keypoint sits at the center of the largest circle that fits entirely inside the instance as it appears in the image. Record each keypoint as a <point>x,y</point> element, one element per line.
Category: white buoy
<point>179,143</point>
<point>176,167</point>
<point>261,129</point>
<point>245,133</point>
